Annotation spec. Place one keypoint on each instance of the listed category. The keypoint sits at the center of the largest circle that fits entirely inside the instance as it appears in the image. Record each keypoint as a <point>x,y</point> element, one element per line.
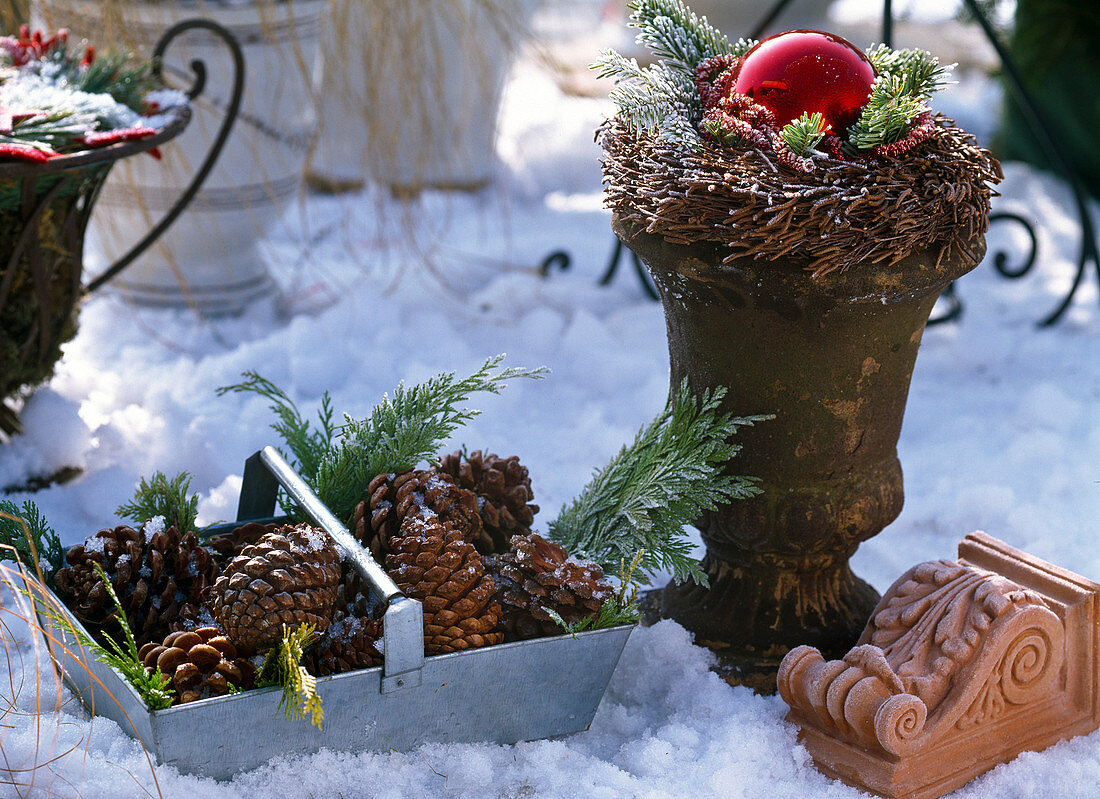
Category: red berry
<point>806,71</point>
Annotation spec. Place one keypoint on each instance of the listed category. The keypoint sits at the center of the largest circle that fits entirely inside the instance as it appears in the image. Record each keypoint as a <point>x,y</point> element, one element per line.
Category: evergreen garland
<point>641,500</point>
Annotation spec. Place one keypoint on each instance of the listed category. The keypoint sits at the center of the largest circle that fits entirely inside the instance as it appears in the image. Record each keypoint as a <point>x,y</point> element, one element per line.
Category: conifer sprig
<point>161,496</point>
<point>403,430</point>
<point>662,99</point>
<point>804,134</point>
<point>676,34</point>
<point>906,80</point>
<point>655,100</point>
<point>641,500</point>
<point>887,115</point>
<point>921,73</point>
<point>283,667</point>
<point>307,445</point>
<point>339,461</point>
<point>153,686</point>
<point>24,530</point>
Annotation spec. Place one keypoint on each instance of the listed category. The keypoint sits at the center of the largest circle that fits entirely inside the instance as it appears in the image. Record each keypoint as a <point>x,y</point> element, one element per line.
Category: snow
<point>1002,433</point>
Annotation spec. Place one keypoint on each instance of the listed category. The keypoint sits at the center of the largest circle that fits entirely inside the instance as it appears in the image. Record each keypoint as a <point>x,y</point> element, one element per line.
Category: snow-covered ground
<point>1002,434</point>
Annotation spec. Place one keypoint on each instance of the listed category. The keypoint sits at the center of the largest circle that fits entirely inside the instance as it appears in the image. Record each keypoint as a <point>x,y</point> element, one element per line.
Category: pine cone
<point>392,498</point>
<point>154,571</point>
<point>537,574</point>
<point>503,490</point>
<point>228,545</point>
<point>288,577</point>
<point>347,645</point>
<point>202,663</point>
<point>439,567</point>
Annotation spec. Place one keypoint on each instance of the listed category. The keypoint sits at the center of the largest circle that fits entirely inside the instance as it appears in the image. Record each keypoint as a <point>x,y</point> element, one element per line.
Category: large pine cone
<point>228,545</point>
<point>288,577</point>
<point>443,570</point>
<point>154,571</point>
<point>428,493</point>
<point>348,644</point>
<point>537,574</point>
<point>201,663</point>
<point>503,490</point>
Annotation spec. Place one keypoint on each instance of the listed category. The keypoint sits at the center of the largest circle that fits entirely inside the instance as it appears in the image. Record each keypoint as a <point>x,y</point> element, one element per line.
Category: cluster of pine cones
<point>456,536</point>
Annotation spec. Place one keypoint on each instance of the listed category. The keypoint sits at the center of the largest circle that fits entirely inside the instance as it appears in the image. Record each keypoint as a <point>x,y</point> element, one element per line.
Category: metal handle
<point>403,622</point>
<point>364,563</point>
<point>199,69</point>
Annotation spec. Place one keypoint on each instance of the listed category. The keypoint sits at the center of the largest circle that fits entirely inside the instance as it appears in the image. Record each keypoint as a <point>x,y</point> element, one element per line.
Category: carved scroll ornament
<point>995,650</point>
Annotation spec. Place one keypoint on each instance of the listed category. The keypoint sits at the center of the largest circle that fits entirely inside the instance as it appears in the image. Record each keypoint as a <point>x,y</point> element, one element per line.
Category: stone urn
<point>831,356</point>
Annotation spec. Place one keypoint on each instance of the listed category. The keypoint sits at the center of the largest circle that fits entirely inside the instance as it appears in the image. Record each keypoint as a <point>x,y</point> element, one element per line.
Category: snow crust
<point>1002,433</point>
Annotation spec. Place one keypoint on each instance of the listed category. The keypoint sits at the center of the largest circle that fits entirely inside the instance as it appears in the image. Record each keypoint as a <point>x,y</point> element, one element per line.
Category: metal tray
<point>499,694</point>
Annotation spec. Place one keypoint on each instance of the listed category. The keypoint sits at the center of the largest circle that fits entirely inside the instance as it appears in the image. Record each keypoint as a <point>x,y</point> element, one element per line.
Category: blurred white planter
<point>409,91</point>
<point>208,259</point>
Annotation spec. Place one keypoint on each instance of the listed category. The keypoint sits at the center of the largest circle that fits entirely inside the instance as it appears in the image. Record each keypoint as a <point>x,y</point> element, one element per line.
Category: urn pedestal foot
<point>828,606</point>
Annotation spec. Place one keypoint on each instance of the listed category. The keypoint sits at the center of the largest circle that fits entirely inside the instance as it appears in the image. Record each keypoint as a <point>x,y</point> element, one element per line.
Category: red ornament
<point>805,71</point>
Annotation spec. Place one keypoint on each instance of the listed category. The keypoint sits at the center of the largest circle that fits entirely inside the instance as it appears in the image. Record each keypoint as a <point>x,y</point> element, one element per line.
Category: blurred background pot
<point>410,91</point>
<point>210,259</point>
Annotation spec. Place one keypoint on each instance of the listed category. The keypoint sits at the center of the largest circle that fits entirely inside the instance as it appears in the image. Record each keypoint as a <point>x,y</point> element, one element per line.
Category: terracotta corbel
<point>963,665</point>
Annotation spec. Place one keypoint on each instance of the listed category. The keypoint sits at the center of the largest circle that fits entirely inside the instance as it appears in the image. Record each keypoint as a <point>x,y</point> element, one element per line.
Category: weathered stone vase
<point>831,357</point>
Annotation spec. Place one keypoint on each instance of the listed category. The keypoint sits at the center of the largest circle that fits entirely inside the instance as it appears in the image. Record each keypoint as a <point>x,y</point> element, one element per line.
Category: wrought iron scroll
<point>232,110</point>
<point>562,261</point>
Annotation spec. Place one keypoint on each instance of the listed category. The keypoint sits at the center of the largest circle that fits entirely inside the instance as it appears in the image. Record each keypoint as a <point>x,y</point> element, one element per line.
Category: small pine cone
<point>504,495</point>
<point>537,574</point>
<point>202,663</point>
<point>443,570</point>
<point>425,492</point>
<point>153,571</point>
<point>347,645</point>
<point>288,577</point>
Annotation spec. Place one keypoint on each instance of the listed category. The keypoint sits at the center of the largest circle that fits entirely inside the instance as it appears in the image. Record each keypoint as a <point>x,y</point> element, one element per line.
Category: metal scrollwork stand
<point>1089,253</point>
<point>231,112</point>
<point>63,191</point>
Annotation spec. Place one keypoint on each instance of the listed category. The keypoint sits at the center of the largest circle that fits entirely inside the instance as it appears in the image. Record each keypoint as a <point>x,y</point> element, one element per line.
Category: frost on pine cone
<point>201,663</point>
<point>422,492</point>
<point>537,575</point>
<point>348,644</point>
<point>153,571</point>
<point>503,490</point>
<point>228,545</point>
<point>439,567</point>
<point>288,577</point>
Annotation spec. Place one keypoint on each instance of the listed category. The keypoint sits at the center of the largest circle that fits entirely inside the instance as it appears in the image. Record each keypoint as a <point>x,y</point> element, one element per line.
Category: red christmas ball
<point>807,71</point>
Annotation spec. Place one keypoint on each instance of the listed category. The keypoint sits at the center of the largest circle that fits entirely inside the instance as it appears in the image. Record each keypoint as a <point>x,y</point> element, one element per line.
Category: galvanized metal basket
<point>499,694</point>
